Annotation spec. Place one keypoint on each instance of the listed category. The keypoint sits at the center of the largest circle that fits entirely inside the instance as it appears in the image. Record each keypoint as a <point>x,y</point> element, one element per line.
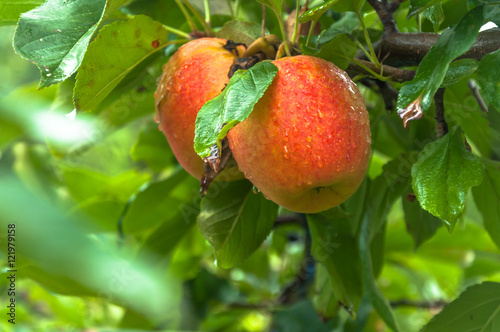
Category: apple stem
<point>236,8</point>
<point>311,31</point>
<point>177,32</point>
<point>207,13</point>
<point>296,25</point>
<point>263,21</point>
<point>368,55</point>
<point>207,28</point>
<point>374,74</point>
<point>372,57</point>
<point>190,21</point>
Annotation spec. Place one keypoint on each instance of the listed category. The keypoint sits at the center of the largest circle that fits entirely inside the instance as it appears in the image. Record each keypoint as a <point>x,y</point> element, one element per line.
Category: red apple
<point>306,145</point>
<point>196,73</point>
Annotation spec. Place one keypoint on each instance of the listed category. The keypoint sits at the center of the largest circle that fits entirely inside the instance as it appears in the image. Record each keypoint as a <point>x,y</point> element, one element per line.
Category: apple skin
<point>306,144</point>
<point>196,73</point>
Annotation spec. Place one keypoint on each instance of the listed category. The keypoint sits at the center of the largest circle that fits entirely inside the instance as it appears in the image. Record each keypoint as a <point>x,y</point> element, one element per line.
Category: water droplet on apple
<point>286,154</point>
<point>320,162</point>
<point>266,197</point>
<point>285,138</point>
<point>320,114</point>
<point>255,190</point>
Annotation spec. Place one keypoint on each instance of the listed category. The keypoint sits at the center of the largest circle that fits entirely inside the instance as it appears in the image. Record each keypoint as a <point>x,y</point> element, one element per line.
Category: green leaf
<point>127,43</point>
<point>419,223</point>
<point>315,13</point>
<point>335,247</point>
<point>175,226</point>
<point>341,50</point>
<point>11,10</point>
<point>487,198</point>
<point>160,202</point>
<point>235,220</point>
<point>346,24</point>
<point>435,15</point>
<point>299,317</point>
<point>152,148</point>
<point>240,31</point>
<point>488,78</point>
<point>232,106</point>
<point>55,36</point>
<point>370,287</point>
<point>476,309</point>
<point>452,43</point>
<point>275,5</point>
<point>417,6</point>
<point>442,176</point>
<point>458,70</point>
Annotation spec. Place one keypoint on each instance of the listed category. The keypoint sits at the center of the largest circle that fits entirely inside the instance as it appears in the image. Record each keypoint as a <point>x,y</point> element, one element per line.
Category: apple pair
<point>306,144</point>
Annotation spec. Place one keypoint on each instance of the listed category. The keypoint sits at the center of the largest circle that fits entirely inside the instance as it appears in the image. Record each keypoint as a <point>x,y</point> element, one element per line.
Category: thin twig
<point>438,304</point>
<point>474,88</point>
<point>392,73</point>
<point>263,21</point>
<point>441,125</point>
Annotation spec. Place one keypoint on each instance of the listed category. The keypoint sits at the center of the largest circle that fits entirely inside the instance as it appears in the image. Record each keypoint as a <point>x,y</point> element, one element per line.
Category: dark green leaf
<point>173,229</point>
<point>232,106</point>
<point>341,50</point>
<point>487,198</point>
<point>55,36</point>
<point>435,15</point>
<point>476,309</point>
<point>240,31</point>
<point>160,202</point>
<point>315,13</point>
<point>335,247</point>
<point>299,317</point>
<point>370,288</point>
<point>235,220</point>
<point>488,78</point>
<point>430,73</point>
<point>101,72</point>
<point>152,147</point>
<point>417,6</point>
<point>419,223</point>
<point>11,10</point>
<point>442,176</point>
<point>458,70</point>
<point>346,24</point>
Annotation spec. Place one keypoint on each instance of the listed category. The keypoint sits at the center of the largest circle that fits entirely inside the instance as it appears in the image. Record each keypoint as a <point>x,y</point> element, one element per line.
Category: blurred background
<point>89,259</point>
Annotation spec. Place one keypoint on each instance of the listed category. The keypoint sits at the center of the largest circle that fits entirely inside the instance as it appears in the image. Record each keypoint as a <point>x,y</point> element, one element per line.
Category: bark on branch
<point>408,49</point>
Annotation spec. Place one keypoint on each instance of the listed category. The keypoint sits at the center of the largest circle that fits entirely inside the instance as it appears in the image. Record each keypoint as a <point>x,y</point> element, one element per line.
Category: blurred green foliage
<point>106,234</point>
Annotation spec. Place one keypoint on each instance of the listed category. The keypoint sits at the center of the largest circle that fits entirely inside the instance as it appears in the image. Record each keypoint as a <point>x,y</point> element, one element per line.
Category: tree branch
<point>441,125</point>
<point>385,14</point>
<point>424,305</point>
<point>408,49</point>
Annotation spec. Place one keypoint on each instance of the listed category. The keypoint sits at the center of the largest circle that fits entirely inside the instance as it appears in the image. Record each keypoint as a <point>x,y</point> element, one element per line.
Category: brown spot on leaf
<point>155,43</point>
<point>411,197</point>
<point>411,112</point>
